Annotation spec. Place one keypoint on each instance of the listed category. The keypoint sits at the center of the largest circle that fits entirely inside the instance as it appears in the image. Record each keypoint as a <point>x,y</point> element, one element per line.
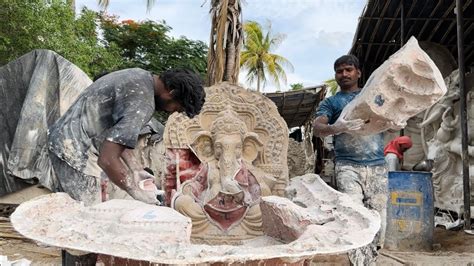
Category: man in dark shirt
<point>106,119</point>
<point>360,165</point>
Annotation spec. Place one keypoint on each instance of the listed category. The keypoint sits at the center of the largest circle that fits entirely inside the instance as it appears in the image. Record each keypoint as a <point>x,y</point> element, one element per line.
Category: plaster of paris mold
<point>404,85</point>
<point>134,230</point>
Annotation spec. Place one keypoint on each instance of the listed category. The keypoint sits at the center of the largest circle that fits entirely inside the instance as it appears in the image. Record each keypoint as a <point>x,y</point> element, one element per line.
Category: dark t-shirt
<point>115,108</point>
<point>360,150</point>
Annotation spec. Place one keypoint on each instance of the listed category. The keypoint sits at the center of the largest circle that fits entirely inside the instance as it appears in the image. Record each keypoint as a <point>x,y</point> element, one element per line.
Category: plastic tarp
<point>35,90</point>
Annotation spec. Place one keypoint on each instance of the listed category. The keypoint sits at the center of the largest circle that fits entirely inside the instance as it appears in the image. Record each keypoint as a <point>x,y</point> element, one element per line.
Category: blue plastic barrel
<point>410,211</point>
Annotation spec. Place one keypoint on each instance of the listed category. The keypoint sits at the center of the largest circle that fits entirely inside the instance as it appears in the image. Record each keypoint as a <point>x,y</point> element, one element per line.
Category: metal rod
<point>402,24</point>
<point>415,19</point>
<point>454,46</point>
<point>402,38</point>
<point>463,111</point>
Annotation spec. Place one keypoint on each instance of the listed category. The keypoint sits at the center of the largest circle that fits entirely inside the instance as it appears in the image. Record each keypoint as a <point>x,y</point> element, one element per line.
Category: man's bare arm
<point>321,128</point>
<point>109,161</point>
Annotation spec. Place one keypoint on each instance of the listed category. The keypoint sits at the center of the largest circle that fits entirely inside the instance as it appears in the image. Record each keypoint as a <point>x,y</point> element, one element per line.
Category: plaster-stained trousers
<point>367,185</point>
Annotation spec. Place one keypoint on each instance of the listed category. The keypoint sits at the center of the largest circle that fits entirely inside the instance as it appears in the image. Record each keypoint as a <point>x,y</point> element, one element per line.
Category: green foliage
<point>40,24</point>
<point>51,24</point>
<point>147,45</point>
<point>332,85</point>
<point>257,58</point>
<point>296,86</point>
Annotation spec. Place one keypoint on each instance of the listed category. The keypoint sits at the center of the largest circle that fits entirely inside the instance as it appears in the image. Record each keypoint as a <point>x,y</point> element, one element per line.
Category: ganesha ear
<point>252,145</point>
<point>202,146</point>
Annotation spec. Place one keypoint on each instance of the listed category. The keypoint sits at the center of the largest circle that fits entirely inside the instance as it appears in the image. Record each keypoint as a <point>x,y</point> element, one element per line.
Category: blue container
<point>410,211</point>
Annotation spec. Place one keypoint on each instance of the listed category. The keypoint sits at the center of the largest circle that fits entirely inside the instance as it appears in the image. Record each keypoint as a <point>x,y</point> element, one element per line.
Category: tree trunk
<point>72,4</point>
<point>225,41</point>
<point>258,83</point>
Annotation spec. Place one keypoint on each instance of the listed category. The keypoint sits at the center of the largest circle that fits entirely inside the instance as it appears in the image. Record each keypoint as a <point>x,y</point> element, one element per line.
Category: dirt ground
<point>16,247</point>
<point>450,248</point>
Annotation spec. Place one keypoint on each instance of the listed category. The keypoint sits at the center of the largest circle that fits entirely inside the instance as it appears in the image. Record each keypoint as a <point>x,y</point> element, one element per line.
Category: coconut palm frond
<point>257,58</point>
<point>105,3</point>
<point>332,85</point>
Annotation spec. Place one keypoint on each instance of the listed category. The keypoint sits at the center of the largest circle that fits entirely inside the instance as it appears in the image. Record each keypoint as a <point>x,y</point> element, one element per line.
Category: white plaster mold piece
<point>134,230</point>
<point>403,86</point>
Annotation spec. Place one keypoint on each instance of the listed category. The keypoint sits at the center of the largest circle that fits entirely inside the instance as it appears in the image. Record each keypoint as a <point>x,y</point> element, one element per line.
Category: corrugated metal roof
<point>298,107</point>
<point>378,33</point>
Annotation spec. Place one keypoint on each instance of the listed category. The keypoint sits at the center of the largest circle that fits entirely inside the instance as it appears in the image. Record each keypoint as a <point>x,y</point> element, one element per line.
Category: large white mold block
<point>403,86</point>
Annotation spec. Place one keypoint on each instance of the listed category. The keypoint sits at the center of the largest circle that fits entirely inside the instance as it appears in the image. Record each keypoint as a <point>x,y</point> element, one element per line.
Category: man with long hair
<point>107,119</point>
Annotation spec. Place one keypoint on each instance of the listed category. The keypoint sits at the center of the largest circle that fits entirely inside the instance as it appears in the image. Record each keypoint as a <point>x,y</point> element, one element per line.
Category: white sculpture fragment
<point>404,85</point>
<point>301,157</point>
<point>441,135</point>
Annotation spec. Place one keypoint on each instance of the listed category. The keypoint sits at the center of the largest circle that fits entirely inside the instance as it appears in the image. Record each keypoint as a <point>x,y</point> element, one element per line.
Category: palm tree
<point>257,58</point>
<point>332,85</point>
<point>105,3</point>
<point>225,40</point>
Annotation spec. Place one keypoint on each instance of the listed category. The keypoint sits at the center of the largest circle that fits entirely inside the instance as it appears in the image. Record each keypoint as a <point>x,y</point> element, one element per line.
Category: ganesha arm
<point>186,205</point>
<point>265,181</point>
<point>252,223</point>
<point>439,109</point>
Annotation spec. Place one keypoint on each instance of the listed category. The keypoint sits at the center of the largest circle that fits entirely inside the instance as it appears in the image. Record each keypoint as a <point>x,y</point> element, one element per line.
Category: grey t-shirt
<point>115,108</point>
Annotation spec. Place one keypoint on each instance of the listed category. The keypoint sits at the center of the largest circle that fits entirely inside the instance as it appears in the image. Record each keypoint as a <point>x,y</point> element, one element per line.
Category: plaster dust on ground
<point>451,247</point>
<point>15,247</point>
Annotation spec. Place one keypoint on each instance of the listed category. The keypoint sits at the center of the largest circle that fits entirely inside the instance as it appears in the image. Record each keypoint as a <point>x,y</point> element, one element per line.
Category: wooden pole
<point>463,113</point>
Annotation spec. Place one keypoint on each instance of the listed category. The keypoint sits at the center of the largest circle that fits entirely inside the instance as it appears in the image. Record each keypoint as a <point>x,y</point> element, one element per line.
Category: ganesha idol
<point>220,163</point>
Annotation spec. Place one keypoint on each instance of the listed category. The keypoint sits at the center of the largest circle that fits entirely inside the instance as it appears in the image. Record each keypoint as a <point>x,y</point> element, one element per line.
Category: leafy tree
<point>226,39</point>
<point>257,58</point>
<point>147,45</point>
<point>40,24</point>
<point>296,86</point>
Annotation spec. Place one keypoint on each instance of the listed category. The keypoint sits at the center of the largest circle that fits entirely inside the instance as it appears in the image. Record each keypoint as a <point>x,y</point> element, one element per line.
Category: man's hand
<point>143,188</point>
<point>142,175</point>
<point>342,125</point>
<point>394,127</point>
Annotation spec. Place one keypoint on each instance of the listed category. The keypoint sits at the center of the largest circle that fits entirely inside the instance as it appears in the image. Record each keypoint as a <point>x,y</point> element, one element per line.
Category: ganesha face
<point>226,160</point>
<point>228,152</point>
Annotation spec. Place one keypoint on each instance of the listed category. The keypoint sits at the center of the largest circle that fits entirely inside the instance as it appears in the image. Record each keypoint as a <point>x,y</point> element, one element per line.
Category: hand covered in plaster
<point>394,127</point>
<point>143,188</point>
<point>343,125</point>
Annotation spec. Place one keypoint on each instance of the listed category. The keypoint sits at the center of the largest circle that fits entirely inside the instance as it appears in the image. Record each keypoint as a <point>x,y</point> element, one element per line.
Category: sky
<point>317,31</point>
